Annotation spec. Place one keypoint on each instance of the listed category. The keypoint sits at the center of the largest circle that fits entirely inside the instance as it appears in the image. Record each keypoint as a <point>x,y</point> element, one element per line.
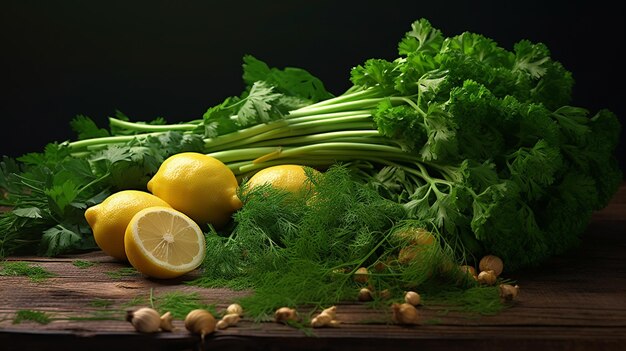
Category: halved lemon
<point>161,242</point>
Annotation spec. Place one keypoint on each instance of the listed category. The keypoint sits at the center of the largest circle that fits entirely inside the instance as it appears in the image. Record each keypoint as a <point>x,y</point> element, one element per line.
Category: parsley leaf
<point>86,128</point>
<point>258,106</point>
<point>292,81</point>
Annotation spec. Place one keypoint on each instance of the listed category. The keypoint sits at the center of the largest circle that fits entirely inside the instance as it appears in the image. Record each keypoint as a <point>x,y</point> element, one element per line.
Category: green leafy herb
<point>101,303</point>
<point>48,192</point>
<point>82,264</point>
<point>479,144</point>
<point>20,268</point>
<point>476,300</point>
<point>291,81</point>
<point>30,315</point>
<point>179,304</point>
<point>295,249</point>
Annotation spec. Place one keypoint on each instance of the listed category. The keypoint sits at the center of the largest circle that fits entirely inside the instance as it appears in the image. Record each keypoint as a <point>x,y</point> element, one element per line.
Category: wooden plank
<point>575,301</point>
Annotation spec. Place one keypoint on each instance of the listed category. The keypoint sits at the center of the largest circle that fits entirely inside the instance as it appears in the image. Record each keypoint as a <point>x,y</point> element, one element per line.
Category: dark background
<point>176,58</point>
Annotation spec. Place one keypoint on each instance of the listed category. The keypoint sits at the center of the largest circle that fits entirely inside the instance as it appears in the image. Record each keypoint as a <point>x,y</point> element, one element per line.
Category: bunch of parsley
<point>48,192</point>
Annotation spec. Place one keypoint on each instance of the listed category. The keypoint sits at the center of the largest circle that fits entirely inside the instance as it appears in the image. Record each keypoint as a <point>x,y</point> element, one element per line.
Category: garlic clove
<point>361,275</point>
<point>201,322</point>
<point>145,320</point>
<point>412,298</point>
<point>334,323</point>
<point>286,314</point>
<point>232,319</point>
<point>405,313</point>
<point>331,311</point>
<point>234,308</point>
<point>221,324</point>
<point>166,322</point>
<point>322,320</point>
<point>487,277</point>
<point>365,294</point>
<point>491,263</point>
<point>508,292</point>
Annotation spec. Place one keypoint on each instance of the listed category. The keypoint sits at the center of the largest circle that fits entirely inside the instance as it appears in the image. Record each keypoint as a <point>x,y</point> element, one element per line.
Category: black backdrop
<point>176,58</point>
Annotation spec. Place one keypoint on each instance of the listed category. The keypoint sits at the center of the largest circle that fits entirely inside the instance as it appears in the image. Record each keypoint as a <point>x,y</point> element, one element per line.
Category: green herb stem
<point>374,92</point>
<point>212,143</point>
<point>102,141</point>
<point>343,106</point>
<point>144,127</point>
<point>360,135</point>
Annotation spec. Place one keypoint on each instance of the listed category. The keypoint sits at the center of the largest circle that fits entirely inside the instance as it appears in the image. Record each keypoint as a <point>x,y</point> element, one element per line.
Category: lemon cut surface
<point>164,243</point>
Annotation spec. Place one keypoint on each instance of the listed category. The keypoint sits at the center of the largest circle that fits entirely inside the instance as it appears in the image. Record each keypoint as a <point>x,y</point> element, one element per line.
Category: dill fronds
<point>179,304</point>
<point>303,249</point>
<point>82,264</point>
<point>100,303</point>
<point>30,315</point>
<point>20,268</point>
<point>476,300</point>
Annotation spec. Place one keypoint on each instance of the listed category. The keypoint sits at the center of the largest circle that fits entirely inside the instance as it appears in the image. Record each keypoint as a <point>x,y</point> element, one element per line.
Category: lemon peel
<point>200,186</point>
<point>108,220</point>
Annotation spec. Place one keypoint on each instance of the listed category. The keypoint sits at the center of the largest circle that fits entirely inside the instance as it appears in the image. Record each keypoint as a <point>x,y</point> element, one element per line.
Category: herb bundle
<point>475,142</point>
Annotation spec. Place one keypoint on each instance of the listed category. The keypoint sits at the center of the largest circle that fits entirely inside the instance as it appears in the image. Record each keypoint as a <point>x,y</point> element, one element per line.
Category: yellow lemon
<point>163,243</point>
<point>286,177</point>
<point>200,186</point>
<point>108,220</point>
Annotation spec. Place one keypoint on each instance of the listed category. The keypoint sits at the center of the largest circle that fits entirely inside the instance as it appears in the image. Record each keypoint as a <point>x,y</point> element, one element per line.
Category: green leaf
<point>481,48</point>
<point>291,81</point>
<point>57,240</point>
<point>258,105</point>
<point>217,121</point>
<point>375,72</point>
<point>86,128</point>
<point>112,154</point>
<point>531,58</point>
<point>421,37</point>
<point>28,212</point>
<point>60,196</point>
<point>8,166</point>
<point>442,142</point>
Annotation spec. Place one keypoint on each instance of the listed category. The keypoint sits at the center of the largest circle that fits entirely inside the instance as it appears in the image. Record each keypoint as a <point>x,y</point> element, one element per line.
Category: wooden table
<point>574,302</point>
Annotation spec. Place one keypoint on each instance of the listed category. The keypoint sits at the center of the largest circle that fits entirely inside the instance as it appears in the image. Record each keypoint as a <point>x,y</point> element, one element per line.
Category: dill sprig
<point>302,250</point>
<point>289,248</point>
<point>31,315</point>
<point>82,264</point>
<point>178,303</point>
<point>122,273</point>
<point>476,300</point>
<point>36,273</point>
<point>100,303</point>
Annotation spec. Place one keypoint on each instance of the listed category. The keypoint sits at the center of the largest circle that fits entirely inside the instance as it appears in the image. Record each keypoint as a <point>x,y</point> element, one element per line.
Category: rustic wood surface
<point>574,302</point>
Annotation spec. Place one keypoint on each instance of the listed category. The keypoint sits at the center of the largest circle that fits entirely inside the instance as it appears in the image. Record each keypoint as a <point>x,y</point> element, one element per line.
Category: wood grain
<point>576,301</point>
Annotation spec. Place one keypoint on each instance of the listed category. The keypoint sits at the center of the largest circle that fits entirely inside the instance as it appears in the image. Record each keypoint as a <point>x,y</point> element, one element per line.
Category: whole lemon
<point>291,178</point>
<point>200,186</point>
<point>108,220</point>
